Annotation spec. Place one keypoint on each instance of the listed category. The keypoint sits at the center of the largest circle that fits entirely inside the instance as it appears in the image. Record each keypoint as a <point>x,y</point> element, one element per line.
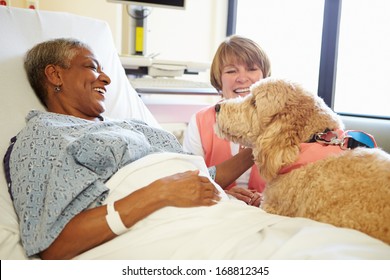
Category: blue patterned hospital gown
<point>59,164</point>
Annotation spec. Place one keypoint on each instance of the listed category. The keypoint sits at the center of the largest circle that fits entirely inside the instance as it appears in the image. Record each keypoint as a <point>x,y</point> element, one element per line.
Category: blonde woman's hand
<point>250,197</point>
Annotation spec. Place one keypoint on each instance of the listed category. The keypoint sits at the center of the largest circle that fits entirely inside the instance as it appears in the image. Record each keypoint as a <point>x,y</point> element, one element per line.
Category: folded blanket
<point>152,167</point>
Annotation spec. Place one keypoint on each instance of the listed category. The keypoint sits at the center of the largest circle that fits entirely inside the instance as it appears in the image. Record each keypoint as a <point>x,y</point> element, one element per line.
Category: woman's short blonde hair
<point>238,49</point>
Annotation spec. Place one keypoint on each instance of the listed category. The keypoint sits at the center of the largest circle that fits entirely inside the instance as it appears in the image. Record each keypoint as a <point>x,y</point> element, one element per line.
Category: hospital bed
<point>229,230</point>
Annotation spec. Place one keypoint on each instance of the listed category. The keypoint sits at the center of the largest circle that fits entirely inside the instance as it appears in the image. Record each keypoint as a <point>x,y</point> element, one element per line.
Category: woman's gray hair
<point>58,52</point>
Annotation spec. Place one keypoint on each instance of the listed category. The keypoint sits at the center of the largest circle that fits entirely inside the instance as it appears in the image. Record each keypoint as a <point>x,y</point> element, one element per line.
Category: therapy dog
<point>313,168</point>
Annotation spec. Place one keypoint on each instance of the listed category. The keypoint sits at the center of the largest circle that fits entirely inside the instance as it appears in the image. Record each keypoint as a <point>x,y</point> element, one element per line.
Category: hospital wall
<point>190,34</point>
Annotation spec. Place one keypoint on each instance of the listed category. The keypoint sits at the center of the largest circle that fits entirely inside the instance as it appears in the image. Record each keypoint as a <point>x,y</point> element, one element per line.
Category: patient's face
<point>236,79</point>
<point>84,86</point>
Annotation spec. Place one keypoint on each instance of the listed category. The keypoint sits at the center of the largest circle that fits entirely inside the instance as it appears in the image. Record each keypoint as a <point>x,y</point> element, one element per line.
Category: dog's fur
<point>351,189</point>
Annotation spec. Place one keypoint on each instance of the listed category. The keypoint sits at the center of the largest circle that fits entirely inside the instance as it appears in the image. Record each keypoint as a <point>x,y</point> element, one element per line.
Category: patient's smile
<point>100,90</point>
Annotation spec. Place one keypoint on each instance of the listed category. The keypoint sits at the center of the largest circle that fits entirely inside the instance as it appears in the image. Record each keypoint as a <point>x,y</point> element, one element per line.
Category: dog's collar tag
<point>358,138</point>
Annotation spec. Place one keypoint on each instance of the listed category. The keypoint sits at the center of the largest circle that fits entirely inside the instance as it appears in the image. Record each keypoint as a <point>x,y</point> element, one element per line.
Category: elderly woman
<point>59,163</point>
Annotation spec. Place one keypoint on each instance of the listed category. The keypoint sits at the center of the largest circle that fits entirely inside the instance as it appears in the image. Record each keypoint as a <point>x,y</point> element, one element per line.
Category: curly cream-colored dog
<point>313,168</point>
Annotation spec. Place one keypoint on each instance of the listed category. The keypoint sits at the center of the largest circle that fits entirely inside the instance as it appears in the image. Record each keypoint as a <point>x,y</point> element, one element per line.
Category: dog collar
<point>327,143</point>
<point>346,140</point>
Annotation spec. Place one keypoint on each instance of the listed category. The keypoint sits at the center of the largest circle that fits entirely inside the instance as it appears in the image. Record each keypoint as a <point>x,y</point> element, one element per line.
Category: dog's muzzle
<point>217,107</point>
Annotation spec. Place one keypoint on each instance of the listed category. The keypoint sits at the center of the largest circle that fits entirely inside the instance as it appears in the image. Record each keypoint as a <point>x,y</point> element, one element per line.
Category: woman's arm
<point>229,170</point>
<point>90,229</point>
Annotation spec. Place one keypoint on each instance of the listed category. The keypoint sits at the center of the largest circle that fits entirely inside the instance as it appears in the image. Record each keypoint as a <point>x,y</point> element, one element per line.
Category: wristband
<point>114,221</point>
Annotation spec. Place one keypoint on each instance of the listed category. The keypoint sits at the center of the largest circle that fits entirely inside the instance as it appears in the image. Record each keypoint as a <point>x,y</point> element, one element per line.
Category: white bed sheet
<point>228,230</point>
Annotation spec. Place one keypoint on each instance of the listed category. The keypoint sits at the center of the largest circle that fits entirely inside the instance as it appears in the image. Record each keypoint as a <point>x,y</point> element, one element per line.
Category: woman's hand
<point>250,197</point>
<point>186,189</point>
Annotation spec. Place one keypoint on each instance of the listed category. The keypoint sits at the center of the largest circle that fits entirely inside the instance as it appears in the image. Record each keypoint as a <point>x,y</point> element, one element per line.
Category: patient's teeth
<point>100,90</point>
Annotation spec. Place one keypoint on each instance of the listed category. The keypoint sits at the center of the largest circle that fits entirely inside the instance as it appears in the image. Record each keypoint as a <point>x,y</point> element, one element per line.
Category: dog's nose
<point>217,107</point>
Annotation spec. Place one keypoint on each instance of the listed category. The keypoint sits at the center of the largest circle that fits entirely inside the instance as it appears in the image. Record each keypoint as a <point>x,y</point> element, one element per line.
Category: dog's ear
<point>275,148</point>
<point>269,96</point>
<point>277,144</point>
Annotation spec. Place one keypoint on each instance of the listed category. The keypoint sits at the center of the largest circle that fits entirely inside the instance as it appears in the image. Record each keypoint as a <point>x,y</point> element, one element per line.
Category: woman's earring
<point>57,89</point>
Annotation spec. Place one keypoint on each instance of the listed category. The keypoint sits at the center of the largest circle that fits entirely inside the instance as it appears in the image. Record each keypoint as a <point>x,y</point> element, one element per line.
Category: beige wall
<point>101,9</point>
<point>190,34</point>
